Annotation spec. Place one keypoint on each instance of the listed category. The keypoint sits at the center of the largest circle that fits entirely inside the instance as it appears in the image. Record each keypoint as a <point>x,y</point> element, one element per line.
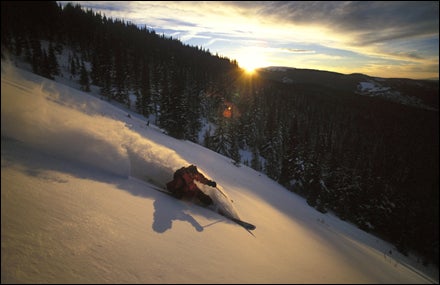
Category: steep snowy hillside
<point>79,205</point>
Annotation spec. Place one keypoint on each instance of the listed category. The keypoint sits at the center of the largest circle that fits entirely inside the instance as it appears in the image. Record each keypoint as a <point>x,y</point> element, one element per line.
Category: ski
<point>218,189</point>
<point>246,225</point>
<point>161,190</point>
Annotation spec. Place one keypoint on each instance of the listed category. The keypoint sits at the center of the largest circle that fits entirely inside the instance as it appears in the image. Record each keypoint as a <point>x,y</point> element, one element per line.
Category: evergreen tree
<point>255,162</point>
<point>45,65</point>
<point>193,106</point>
<point>173,116</point>
<point>120,77</point>
<point>143,103</point>
<point>235,149</point>
<point>221,141</point>
<point>52,61</point>
<point>19,42</point>
<point>37,56</point>
<point>27,52</point>
<point>288,163</point>
<point>84,79</point>
<point>271,152</point>
<point>207,138</point>
<point>72,66</point>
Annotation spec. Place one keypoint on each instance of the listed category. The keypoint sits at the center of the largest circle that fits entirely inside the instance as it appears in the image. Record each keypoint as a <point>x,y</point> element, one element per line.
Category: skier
<point>183,186</point>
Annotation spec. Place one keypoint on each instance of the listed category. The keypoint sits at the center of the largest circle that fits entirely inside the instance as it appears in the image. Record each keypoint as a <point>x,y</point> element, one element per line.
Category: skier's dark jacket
<point>183,184</point>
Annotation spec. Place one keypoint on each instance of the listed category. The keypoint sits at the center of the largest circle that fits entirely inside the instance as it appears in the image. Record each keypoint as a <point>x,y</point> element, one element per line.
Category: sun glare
<point>251,59</point>
<point>249,70</point>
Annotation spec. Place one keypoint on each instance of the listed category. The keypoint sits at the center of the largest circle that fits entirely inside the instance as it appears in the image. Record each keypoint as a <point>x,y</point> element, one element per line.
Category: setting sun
<point>249,70</point>
<point>251,58</point>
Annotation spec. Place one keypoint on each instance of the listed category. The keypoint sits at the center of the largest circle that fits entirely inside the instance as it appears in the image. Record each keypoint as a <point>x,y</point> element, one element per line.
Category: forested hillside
<point>371,159</point>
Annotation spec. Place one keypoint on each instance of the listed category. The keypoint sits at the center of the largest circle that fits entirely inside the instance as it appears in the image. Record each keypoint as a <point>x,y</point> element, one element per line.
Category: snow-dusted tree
<point>84,78</point>
<point>144,96</point>
<point>52,61</point>
<point>221,141</point>
<point>173,103</point>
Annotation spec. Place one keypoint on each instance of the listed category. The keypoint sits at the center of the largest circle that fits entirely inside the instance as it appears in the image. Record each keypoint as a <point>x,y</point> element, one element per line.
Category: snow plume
<point>222,203</point>
<point>74,130</point>
<point>150,161</point>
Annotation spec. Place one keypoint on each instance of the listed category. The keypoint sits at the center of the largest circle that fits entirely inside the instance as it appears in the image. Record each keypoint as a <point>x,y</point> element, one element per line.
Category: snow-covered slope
<point>374,88</point>
<point>78,205</point>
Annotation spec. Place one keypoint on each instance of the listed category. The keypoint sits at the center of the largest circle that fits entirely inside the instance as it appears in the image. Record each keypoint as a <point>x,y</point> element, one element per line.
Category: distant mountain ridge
<point>411,92</point>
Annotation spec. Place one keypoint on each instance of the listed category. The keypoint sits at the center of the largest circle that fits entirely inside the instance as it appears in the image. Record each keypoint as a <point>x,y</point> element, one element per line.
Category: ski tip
<point>244,224</point>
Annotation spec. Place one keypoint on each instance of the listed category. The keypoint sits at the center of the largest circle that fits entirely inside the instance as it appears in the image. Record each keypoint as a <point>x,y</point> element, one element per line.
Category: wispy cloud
<point>293,50</point>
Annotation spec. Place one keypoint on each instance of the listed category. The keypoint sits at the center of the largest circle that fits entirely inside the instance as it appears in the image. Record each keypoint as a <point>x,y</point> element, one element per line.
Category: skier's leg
<point>178,194</point>
<point>205,199</point>
<point>176,187</point>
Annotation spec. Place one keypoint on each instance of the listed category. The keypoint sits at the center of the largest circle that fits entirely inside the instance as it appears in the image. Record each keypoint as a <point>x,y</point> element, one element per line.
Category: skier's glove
<point>212,183</point>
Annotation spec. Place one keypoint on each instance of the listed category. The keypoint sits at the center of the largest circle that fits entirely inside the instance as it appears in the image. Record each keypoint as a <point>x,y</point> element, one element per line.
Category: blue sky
<point>378,38</point>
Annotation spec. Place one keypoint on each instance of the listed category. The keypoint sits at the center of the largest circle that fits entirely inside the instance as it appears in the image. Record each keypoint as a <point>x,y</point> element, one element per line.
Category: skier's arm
<point>201,178</point>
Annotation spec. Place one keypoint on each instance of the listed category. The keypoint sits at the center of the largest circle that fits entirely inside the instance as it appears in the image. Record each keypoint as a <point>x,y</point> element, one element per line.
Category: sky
<point>377,38</point>
<point>79,205</point>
